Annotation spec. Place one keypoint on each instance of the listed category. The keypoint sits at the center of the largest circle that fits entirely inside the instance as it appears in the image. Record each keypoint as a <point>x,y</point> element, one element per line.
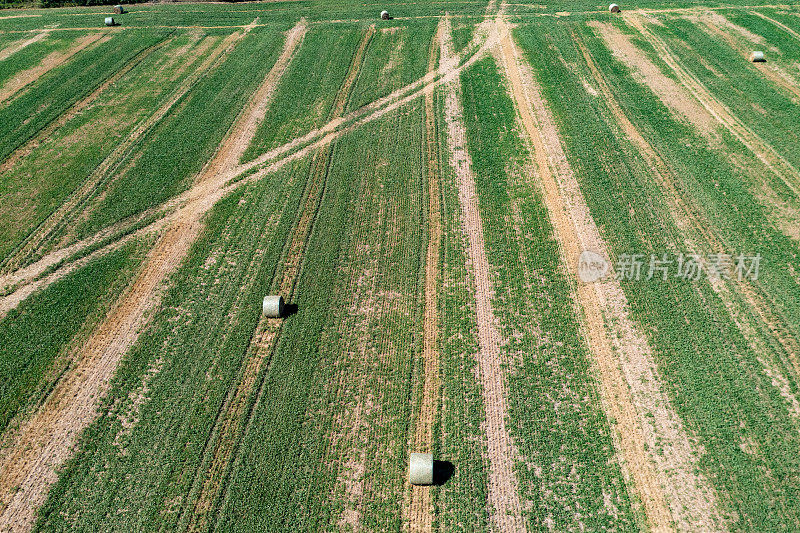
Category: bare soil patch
<point>670,92</point>
<point>15,47</point>
<point>13,87</point>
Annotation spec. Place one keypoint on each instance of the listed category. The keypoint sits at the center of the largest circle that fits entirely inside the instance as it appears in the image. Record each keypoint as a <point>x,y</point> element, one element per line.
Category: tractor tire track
<point>228,422</point>
<point>761,149</point>
<point>777,23</point>
<point>689,217</point>
<point>20,280</point>
<point>757,301</point>
<point>716,25</point>
<point>421,508</point>
<point>23,150</point>
<point>29,464</point>
<point>13,48</point>
<point>576,232</point>
<point>60,216</point>
<point>503,487</point>
<point>692,500</point>
<point>234,419</point>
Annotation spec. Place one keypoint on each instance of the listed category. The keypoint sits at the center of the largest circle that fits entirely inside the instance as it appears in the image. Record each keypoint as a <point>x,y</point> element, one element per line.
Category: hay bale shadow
<point>442,471</point>
<point>289,310</point>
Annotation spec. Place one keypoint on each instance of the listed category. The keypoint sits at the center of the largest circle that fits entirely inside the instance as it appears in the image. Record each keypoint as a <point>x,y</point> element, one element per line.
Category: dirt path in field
<point>779,24</point>
<point>13,87</point>
<point>264,165</point>
<point>626,355</point>
<point>669,91</point>
<point>762,150</point>
<point>18,17</point>
<point>26,148</point>
<point>28,280</point>
<point>17,275</point>
<point>743,41</point>
<point>231,150</point>
<point>420,513</point>
<point>505,509</point>
<point>13,48</point>
<point>679,99</point>
<point>28,465</point>
<point>66,212</point>
<point>692,500</point>
<point>233,419</point>
<point>701,234</point>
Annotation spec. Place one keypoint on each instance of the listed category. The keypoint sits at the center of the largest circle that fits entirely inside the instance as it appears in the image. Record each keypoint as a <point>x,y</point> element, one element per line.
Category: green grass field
<point>419,190</point>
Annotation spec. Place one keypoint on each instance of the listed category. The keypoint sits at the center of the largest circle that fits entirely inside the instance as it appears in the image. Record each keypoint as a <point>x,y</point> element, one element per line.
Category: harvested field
<point>554,247</point>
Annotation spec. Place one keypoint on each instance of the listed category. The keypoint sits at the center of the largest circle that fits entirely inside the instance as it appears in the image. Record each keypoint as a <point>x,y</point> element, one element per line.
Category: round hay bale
<point>384,15</point>
<point>272,306</point>
<point>757,57</point>
<point>420,468</point>
<point>118,10</point>
<point>110,21</point>
<point>614,8</point>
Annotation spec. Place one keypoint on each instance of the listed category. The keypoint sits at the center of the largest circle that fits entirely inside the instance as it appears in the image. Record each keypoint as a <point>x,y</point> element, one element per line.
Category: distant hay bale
<point>110,21</point>
<point>757,57</point>
<point>385,15</point>
<point>420,468</point>
<point>272,306</point>
<point>614,8</point>
<point>118,10</point>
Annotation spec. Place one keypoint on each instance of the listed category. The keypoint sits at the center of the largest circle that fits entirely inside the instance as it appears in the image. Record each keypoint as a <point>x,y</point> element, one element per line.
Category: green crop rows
<point>563,434</point>
<point>218,419</point>
<point>715,378</point>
